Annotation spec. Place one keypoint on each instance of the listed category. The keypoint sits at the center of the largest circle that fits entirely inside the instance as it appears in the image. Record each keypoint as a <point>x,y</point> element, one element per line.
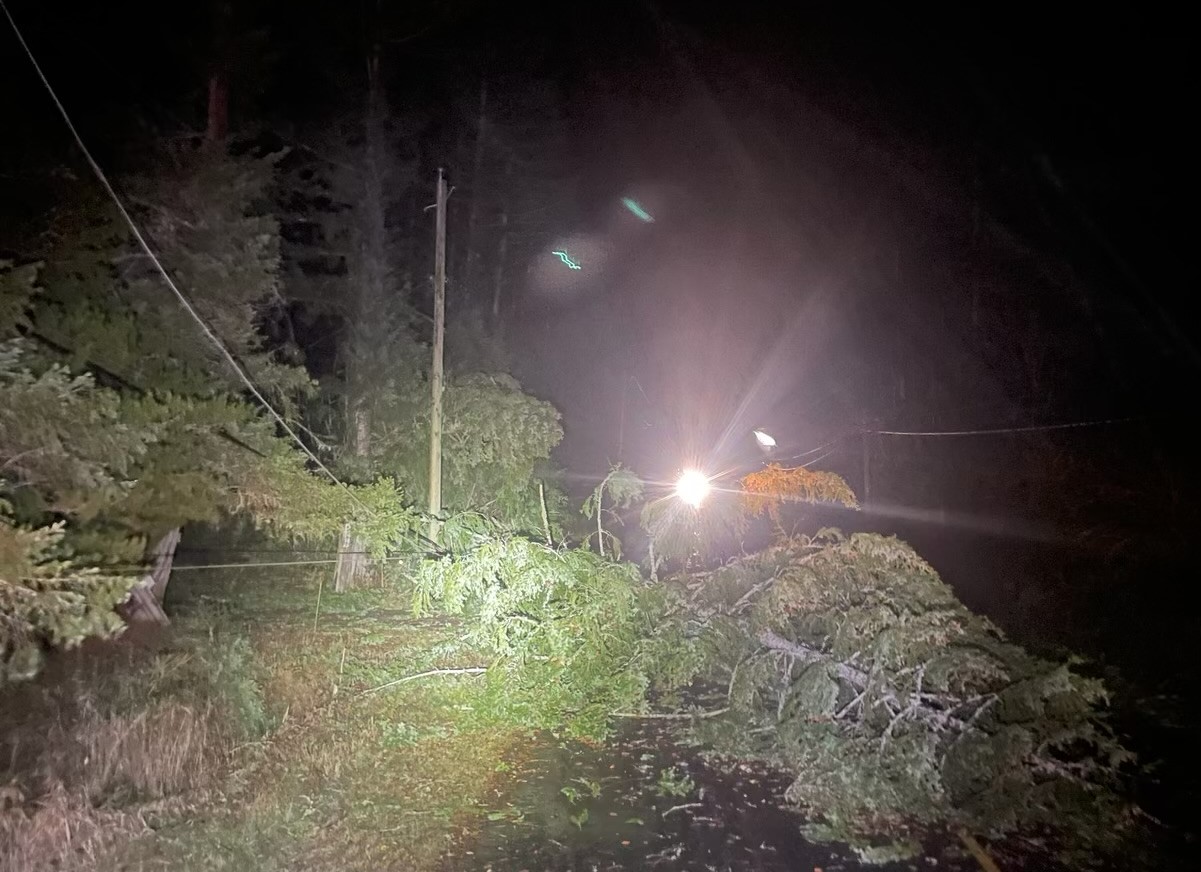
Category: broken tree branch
<point>672,716</point>
<point>466,670</point>
<point>860,680</point>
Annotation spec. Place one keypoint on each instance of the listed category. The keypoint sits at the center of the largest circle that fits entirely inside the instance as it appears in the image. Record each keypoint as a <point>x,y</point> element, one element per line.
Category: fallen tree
<point>850,663</point>
<point>566,633</point>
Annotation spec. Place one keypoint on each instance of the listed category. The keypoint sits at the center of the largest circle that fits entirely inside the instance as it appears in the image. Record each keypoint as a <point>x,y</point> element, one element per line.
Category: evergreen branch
<point>686,805</point>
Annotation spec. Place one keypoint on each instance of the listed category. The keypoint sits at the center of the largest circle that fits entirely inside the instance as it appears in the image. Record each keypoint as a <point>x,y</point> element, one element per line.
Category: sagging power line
<point>998,430</point>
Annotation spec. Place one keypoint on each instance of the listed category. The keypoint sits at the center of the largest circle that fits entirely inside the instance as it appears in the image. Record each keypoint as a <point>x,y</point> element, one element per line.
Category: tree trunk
<point>350,562</point>
<point>502,251</point>
<point>373,279</point>
<point>217,127</point>
<point>352,566</point>
<point>218,109</point>
<point>498,275</point>
<point>471,267</point>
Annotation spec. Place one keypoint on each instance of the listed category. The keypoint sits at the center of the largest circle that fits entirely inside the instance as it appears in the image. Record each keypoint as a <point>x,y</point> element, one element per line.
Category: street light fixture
<point>692,487</point>
<point>766,442</point>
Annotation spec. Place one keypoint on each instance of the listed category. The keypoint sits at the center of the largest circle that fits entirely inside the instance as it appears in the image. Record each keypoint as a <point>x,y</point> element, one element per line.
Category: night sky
<point>973,220</point>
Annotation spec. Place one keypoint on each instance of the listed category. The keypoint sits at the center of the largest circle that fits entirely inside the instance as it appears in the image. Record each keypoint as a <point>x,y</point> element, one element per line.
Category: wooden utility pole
<point>436,368</point>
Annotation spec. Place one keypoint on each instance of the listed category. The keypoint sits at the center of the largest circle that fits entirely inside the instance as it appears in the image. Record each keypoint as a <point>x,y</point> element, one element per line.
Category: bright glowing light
<point>566,258</point>
<point>693,487</point>
<point>764,440</point>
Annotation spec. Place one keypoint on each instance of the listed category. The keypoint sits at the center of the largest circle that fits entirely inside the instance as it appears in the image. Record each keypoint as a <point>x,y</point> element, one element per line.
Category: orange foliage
<point>767,489</point>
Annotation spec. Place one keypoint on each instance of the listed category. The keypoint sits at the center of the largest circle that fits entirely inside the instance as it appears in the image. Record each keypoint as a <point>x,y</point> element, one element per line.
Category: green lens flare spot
<point>566,258</point>
<point>636,209</point>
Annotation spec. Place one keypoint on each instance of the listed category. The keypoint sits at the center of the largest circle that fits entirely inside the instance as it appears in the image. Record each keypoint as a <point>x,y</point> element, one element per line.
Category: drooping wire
<point>822,447</point>
<point>137,233</point>
<point>985,432</point>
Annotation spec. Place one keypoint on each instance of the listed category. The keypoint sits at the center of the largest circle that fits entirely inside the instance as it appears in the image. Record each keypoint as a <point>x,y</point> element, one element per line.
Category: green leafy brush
<point>565,630</point>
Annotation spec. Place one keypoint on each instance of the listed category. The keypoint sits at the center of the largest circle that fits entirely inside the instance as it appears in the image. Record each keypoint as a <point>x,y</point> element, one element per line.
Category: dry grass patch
<point>60,829</point>
<point>166,749</point>
<point>113,739</point>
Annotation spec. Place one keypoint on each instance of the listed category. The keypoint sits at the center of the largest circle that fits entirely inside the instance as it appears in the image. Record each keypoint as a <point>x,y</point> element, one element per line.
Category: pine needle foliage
<point>849,662</point>
<point>494,436</point>
<point>564,629</point>
<point>119,419</point>
<point>45,596</point>
<point>17,286</point>
<point>623,489</point>
<point>285,499</point>
<point>768,489</point>
<point>204,214</point>
<point>680,533</point>
<point>62,436</point>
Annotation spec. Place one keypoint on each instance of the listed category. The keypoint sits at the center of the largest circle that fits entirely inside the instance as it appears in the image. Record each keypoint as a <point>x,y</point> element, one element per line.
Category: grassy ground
<point>300,766</point>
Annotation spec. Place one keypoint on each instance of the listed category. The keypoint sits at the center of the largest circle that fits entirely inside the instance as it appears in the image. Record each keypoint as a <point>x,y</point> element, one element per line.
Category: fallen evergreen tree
<point>850,663</point>
<point>565,633</point>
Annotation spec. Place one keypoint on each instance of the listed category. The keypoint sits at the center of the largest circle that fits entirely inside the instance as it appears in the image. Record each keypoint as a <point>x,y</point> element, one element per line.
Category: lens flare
<point>566,258</point>
<point>636,209</point>
<point>692,487</point>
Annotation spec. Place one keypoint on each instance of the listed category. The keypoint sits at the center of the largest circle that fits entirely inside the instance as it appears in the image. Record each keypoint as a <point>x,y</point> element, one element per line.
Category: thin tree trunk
<point>600,531</point>
<point>502,250</point>
<point>436,364</point>
<point>347,567</point>
<point>471,267</point>
<point>498,276</point>
<point>545,518</point>
<point>217,127</point>
<point>218,109</point>
<point>352,565</point>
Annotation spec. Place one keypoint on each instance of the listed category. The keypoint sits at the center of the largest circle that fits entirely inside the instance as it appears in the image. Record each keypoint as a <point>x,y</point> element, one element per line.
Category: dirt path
<point>646,801</point>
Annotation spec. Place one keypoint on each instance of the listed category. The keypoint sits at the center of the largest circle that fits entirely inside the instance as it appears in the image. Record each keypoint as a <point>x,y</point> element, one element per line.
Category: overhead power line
<point>137,233</point>
<point>822,447</point>
<point>987,432</point>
